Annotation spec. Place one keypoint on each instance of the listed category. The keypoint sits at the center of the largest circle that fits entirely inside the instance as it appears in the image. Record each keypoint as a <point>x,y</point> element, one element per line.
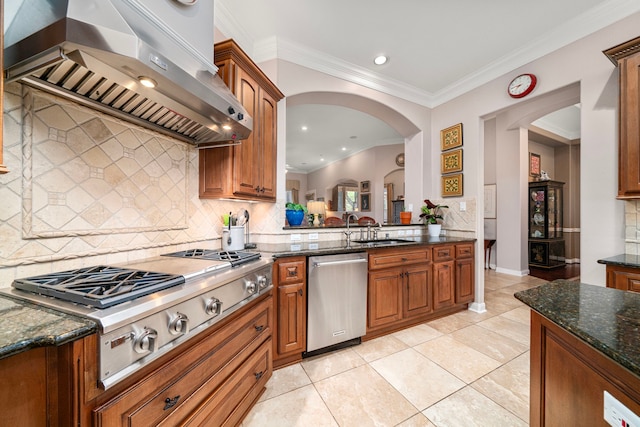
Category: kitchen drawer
<point>398,257</point>
<point>175,390</point>
<point>464,250</point>
<point>443,253</point>
<point>292,270</point>
<point>221,407</point>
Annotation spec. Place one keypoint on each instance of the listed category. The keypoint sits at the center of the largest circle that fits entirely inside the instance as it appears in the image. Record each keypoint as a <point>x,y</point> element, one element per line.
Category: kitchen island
<point>585,341</point>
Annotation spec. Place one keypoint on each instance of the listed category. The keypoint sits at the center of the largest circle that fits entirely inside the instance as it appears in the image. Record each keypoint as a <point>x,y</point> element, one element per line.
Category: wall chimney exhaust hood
<point>98,52</point>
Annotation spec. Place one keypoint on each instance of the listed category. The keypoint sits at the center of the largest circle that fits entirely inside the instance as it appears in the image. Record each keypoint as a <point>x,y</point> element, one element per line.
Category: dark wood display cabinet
<point>546,242</point>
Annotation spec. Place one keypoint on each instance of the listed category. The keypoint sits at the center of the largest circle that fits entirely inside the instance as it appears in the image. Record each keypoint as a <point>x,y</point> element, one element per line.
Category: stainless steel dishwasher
<point>337,301</point>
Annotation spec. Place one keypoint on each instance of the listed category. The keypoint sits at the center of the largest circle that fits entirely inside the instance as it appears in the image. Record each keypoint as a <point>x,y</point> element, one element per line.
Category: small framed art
<point>451,137</point>
<point>364,186</point>
<point>451,161</point>
<point>452,185</point>
<point>534,164</point>
<point>365,202</point>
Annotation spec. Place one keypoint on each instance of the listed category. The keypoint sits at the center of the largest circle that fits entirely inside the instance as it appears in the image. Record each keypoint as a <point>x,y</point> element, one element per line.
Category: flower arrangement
<point>431,212</point>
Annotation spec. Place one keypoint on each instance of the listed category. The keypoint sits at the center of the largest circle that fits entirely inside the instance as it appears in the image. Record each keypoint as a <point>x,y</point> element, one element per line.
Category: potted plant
<point>430,215</point>
<point>295,213</point>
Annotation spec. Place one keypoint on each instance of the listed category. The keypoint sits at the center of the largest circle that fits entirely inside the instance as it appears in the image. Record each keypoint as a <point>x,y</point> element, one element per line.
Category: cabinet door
<point>417,290</point>
<point>266,155</point>
<point>384,297</point>
<point>244,155</point>
<point>443,284</point>
<point>624,278</point>
<point>215,172</point>
<point>291,318</point>
<point>464,280</point>
<point>629,157</point>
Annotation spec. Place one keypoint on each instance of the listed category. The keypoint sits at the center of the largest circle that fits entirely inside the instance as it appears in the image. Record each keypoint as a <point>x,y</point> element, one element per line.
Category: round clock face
<point>522,85</point>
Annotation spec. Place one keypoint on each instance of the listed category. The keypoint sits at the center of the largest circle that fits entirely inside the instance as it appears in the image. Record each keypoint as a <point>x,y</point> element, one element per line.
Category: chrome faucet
<point>348,232</point>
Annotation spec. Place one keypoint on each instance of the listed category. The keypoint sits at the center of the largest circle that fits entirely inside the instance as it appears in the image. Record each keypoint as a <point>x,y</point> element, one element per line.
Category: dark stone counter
<point>622,260</point>
<point>311,248</point>
<point>24,326</point>
<point>606,319</point>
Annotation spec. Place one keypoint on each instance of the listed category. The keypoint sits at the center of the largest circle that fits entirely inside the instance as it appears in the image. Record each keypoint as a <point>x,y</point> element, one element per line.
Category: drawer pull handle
<point>259,375</point>
<point>293,272</point>
<point>259,328</point>
<point>170,403</point>
<point>300,292</point>
<point>404,259</point>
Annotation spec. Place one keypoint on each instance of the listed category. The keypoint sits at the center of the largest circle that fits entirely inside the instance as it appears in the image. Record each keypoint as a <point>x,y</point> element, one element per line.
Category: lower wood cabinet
<point>290,303</point>
<point>569,378</point>
<point>623,278</point>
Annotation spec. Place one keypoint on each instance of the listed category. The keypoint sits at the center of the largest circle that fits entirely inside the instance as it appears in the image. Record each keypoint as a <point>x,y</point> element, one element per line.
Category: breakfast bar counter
<point>585,343</point>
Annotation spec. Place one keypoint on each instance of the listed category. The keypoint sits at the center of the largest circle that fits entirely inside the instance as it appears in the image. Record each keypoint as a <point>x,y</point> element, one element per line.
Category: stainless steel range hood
<point>95,52</point>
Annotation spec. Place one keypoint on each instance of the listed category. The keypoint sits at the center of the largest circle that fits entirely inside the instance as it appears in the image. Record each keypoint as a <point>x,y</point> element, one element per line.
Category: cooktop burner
<point>233,257</point>
<point>98,286</point>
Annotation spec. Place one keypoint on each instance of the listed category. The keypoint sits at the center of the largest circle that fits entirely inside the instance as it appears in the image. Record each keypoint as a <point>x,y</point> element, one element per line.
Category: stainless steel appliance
<point>146,308</point>
<point>337,300</point>
<point>145,61</point>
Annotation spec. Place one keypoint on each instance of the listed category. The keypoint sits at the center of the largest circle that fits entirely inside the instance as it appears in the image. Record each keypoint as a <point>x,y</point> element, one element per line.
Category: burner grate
<point>235,258</point>
<point>98,286</point>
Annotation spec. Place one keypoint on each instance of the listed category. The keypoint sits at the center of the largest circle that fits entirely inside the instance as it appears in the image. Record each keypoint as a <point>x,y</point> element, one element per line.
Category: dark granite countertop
<point>607,319</point>
<point>24,326</point>
<point>623,260</point>
<point>311,248</point>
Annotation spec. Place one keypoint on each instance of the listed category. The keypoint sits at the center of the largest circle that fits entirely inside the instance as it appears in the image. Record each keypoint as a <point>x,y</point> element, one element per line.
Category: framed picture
<point>364,186</point>
<point>365,202</point>
<point>452,185</point>
<point>490,201</point>
<point>451,161</point>
<point>534,164</point>
<point>451,137</point>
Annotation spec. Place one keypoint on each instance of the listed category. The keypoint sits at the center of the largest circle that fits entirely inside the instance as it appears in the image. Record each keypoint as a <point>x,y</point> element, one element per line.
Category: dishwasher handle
<point>340,262</point>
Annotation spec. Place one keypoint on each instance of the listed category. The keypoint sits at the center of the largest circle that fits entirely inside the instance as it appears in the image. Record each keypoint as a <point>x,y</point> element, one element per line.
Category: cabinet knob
<point>170,402</point>
<point>259,375</point>
<point>259,328</point>
<point>300,292</point>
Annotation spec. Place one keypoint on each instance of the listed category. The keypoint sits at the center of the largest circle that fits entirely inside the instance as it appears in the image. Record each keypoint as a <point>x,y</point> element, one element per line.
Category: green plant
<point>431,212</point>
<point>295,207</point>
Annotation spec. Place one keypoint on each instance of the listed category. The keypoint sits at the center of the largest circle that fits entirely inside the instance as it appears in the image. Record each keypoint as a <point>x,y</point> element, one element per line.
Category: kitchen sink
<point>383,241</point>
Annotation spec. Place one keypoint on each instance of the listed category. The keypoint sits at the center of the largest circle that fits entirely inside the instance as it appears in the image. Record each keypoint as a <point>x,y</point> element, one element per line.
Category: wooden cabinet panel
<point>624,278</point>
<point>443,253</point>
<point>290,282</point>
<point>464,250</point>
<point>384,305</point>
<point>465,283</point>
<point>394,258</point>
<point>23,395</point>
<point>443,284</point>
<point>417,293</point>
<point>291,318</point>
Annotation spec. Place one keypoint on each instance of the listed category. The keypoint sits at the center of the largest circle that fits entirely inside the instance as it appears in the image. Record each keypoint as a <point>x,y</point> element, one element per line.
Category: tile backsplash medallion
<point>85,188</point>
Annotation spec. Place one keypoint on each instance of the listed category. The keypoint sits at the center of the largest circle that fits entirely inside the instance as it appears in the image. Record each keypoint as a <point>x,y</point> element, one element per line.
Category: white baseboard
<point>512,272</point>
<point>478,307</point>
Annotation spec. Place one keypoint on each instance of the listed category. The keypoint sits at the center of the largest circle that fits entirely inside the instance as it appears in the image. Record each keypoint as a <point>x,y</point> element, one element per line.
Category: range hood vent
<point>59,49</point>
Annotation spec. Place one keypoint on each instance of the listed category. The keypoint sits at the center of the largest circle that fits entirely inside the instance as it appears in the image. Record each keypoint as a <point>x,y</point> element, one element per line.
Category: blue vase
<point>294,217</point>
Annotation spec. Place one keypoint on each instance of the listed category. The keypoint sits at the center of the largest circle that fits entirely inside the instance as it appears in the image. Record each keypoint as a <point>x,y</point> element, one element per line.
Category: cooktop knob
<point>262,282</point>
<point>179,324</point>
<point>146,341</point>
<point>251,287</point>
<point>213,306</point>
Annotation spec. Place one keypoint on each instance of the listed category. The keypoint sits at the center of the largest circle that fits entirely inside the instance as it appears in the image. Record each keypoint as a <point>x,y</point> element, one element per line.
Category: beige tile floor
<point>465,369</point>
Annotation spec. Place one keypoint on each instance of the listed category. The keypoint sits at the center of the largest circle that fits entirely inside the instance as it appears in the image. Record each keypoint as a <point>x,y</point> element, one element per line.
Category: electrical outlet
<point>616,414</point>
<point>400,232</point>
<point>409,232</point>
<point>296,237</point>
<point>296,248</point>
<point>313,236</point>
<point>313,246</point>
<point>463,206</point>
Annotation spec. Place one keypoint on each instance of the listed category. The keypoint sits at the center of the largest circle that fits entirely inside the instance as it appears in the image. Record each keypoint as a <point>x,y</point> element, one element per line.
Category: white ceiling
<point>437,49</point>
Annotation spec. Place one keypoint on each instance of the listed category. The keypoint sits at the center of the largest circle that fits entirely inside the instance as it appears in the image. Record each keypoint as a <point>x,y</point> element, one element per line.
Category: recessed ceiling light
<point>322,159</point>
<point>304,128</point>
<point>344,148</point>
<point>379,60</point>
<point>147,81</point>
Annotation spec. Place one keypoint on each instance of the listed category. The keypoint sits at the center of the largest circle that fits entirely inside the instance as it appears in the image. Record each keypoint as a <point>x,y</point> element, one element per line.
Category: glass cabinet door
<point>545,210</point>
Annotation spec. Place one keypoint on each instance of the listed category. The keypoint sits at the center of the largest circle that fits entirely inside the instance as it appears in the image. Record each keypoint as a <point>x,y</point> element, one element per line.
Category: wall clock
<point>400,160</point>
<point>522,85</point>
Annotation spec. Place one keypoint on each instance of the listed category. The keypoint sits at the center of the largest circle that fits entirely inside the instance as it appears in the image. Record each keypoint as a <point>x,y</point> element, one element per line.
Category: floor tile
<point>379,347</point>
<point>417,334</point>
<point>470,408</point>
<point>361,397</point>
<point>512,329</point>
<point>490,343</point>
<point>457,358</point>
<point>418,420</point>
<point>327,365</point>
<point>449,324</point>
<point>509,386</point>
<point>419,379</point>
<point>285,411</point>
<point>520,314</point>
<point>284,380</point>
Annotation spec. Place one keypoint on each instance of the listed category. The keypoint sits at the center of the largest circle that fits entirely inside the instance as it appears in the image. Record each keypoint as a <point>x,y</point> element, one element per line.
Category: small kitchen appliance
<point>233,238</point>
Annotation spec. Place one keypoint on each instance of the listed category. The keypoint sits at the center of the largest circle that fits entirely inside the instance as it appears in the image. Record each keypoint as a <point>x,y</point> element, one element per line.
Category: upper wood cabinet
<point>626,57</point>
<point>248,170</point>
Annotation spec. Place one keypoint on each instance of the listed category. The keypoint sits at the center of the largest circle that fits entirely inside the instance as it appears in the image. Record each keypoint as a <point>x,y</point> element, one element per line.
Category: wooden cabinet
<point>291,314</point>
<point>569,377</point>
<point>546,242</point>
<point>216,380</point>
<point>400,286</point>
<point>623,278</point>
<point>626,57</point>
<point>248,170</point>
<point>411,285</point>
